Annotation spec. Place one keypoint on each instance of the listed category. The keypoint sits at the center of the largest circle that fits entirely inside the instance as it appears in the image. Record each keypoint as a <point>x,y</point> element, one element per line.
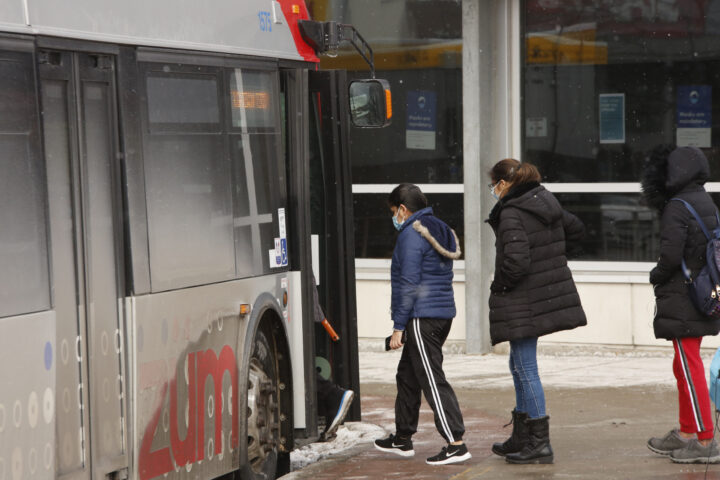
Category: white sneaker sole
<point>450,460</point>
<point>345,403</point>
<point>715,459</point>
<point>396,451</point>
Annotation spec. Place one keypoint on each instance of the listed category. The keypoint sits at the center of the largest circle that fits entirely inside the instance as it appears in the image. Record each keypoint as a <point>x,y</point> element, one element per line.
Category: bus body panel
<point>160,377</point>
<point>179,347</point>
<point>27,396</point>
<point>12,14</point>
<point>254,27</point>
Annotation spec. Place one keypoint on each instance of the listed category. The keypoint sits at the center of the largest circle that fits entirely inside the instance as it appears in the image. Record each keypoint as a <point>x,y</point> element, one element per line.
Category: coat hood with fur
<point>450,246</point>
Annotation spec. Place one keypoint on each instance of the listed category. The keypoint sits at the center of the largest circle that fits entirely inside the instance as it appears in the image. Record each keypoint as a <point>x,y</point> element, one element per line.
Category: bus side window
<point>259,170</point>
<point>24,280</point>
<point>215,179</point>
<point>188,188</point>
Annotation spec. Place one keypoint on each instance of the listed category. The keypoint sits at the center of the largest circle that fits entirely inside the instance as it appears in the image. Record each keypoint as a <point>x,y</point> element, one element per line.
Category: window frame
<point>587,271</point>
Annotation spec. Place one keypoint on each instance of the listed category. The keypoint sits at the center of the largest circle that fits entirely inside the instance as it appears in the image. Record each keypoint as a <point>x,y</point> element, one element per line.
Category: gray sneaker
<point>695,452</point>
<point>665,445</point>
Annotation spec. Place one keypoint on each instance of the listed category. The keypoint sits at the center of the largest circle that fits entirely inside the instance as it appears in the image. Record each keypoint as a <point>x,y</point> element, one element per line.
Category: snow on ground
<point>564,369</point>
<point>576,371</point>
<point>348,435</point>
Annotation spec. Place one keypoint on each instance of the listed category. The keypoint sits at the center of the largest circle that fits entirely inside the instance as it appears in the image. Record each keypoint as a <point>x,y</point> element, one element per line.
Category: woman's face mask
<point>492,187</point>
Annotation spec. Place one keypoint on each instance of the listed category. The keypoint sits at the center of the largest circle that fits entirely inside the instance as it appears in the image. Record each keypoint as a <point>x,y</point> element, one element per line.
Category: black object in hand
<point>402,340</point>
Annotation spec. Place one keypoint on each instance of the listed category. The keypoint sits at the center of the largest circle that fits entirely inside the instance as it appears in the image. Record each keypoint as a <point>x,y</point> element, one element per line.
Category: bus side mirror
<point>370,103</point>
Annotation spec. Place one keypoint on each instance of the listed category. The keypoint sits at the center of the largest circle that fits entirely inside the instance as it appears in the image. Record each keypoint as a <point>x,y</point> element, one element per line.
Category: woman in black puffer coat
<point>681,173</point>
<point>532,294</point>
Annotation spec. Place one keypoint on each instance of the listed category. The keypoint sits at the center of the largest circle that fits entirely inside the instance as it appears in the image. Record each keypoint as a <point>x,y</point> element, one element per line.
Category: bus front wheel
<point>263,411</point>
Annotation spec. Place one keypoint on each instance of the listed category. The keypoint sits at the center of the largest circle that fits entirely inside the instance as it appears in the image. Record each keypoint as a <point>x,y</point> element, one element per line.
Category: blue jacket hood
<point>435,231</point>
<point>421,272</point>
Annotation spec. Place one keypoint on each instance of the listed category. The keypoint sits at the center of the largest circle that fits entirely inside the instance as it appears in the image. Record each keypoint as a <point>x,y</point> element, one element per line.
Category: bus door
<point>331,225</point>
<point>82,160</point>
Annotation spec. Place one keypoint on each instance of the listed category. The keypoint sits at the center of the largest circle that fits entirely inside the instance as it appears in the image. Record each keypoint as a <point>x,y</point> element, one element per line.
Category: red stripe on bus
<point>292,18</point>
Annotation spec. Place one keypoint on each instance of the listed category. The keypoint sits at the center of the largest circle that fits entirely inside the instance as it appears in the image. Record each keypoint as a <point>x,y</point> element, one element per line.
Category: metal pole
<point>490,133</point>
<point>476,324</point>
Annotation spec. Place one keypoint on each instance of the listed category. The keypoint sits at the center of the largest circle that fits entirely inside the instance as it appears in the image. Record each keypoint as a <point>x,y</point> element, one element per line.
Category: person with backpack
<point>672,183</point>
<point>532,294</point>
<point>422,309</point>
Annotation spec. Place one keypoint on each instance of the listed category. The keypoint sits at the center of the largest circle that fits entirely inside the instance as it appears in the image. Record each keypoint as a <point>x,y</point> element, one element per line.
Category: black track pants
<point>420,370</point>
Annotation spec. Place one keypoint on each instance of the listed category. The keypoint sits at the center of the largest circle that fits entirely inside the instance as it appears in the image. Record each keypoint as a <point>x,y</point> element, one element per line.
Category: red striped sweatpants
<point>693,395</point>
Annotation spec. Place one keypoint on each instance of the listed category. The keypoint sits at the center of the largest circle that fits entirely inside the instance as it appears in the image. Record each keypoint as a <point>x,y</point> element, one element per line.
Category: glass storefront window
<point>606,81</point>
<point>417,46</point>
<point>618,227</point>
<point>374,232</point>
<point>423,144</point>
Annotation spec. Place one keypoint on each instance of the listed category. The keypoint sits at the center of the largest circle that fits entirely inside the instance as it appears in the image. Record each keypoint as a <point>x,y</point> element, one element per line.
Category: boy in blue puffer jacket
<point>423,306</point>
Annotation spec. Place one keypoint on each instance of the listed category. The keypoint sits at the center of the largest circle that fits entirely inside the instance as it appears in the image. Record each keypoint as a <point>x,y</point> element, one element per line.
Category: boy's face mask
<point>397,223</point>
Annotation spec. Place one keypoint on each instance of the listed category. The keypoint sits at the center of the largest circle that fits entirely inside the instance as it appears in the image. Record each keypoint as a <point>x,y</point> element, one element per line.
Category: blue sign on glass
<point>421,108</point>
<point>612,117</point>
<point>421,121</point>
<point>694,106</point>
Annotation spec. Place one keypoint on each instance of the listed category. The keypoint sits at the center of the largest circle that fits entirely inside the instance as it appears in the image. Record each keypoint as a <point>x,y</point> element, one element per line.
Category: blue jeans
<point>529,394</point>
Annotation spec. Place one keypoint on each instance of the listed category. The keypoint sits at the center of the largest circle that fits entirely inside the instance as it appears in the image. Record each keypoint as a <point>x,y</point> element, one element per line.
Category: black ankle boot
<point>517,439</point>
<point>537,449</point>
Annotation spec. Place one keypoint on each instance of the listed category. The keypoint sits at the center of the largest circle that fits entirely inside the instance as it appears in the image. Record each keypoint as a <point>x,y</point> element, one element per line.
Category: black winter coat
<point>681,238</point>
<point>533,292</point>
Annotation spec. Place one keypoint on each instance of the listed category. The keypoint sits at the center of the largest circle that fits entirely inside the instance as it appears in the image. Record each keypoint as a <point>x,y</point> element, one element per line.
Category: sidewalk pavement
<point>603,408</point>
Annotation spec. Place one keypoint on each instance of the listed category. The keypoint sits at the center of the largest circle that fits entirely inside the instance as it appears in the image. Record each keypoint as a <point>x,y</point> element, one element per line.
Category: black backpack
<point>704,289</point>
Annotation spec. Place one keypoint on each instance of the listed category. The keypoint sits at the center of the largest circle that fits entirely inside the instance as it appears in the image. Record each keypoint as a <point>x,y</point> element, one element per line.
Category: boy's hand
<point>396,340</point>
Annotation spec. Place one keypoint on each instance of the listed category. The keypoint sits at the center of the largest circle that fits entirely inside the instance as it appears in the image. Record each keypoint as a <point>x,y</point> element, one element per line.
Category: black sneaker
<point>450,454</point>
<point>397,445</point>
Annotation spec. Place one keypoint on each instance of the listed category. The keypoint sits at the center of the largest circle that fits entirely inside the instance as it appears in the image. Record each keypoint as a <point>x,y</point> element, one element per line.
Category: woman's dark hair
<point>514,172</point>
<point>409,195</point>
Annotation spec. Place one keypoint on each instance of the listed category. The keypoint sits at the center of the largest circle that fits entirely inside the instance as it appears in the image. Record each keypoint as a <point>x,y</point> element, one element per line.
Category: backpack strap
<point>697,217</point>
<point>686,271</point>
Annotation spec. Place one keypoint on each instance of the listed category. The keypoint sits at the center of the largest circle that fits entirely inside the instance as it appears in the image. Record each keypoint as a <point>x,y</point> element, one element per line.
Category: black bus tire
<point>263,413</point>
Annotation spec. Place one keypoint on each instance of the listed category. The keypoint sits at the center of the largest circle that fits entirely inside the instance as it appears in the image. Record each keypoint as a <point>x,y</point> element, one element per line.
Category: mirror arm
<point>327,36</point>
<point>357,41</point>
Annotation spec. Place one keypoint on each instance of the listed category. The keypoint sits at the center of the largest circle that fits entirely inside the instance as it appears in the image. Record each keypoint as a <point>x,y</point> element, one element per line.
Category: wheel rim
<point>261,416</point>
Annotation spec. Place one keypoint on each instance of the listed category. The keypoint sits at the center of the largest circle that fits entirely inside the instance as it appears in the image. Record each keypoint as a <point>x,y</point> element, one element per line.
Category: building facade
<point>583,89</point>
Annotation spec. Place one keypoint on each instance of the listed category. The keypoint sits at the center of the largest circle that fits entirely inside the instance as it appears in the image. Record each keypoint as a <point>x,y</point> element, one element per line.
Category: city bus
<point>174,183</point>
